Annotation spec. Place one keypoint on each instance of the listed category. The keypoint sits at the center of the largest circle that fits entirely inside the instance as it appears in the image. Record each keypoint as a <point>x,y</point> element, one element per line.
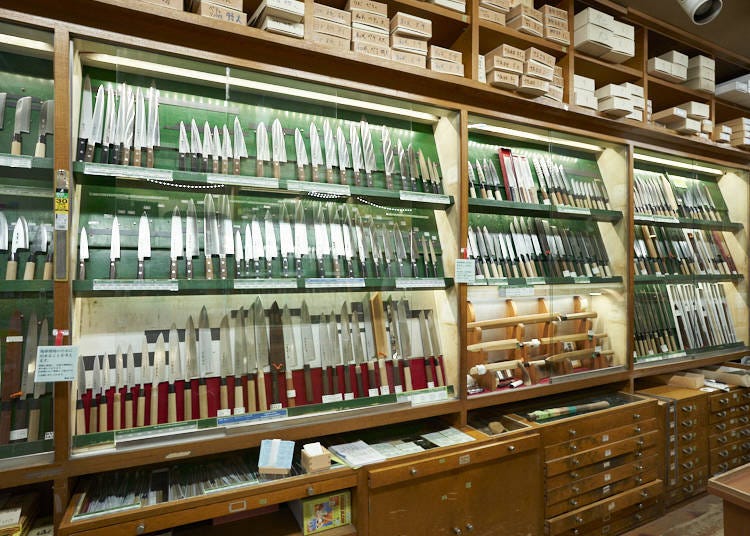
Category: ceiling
<point>727,29</point>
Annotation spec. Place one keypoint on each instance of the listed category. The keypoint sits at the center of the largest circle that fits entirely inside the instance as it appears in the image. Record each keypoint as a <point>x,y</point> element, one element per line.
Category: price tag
<point>465,271</point>
<point>319,188</point>
<point>335,282</point>
<point>19,435</point>
<point>327,399</point>
<point>535,281</point>
<point>516,292</point>
<point>245,284</point>
<point>223,412</point>
<point>385,390</point>
<point>581,280</point>
<point>573,210</point>
<point>15,161</point>
<point>429,282</point>
<point>348,396</point>
<point>276,406</point>
<point>422,197</point>
<point>127,172</point>
<point>243,180</point>
<point>55,364</point>
<point>135,284</point>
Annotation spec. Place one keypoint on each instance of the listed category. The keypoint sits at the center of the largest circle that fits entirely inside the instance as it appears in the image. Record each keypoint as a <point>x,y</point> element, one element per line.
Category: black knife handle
<point>259,168</point>
<point>413,184</point>
<point>360,385</point>
<point>396,373</point>
<point>116,152</point>
<point>308,384</point>
<point>204,164</point>
<point>335,379</point>
<point>89,156</point>
<point>181,161</point>
<point>321,267</point>
<point>274,385</point>
<point>104,155</point>
<point>350,267</point>
<point>209,267</point>
<point>405,183</point>
<point>256,266</point>
<point>326,383</point>
<point>239,268</point>
<point>347,379</point>
<point>141,272</point>
<point>172,269</point>
<point>298,262</point>
<point>112,269</point>
<point>81,149</point>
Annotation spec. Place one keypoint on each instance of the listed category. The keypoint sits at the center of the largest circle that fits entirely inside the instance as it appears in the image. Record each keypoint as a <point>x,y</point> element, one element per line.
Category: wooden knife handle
<point>276,170</point>
<point>103,414</point>
<point>137,156</point>
<point>251,404</point>
<point>80,420</point>
<point>11,271</point>
<point>308,384</point>
<point>369,180</point>
<point>237,162</point>
<point>150,157</point>
<point>262,397</point>
<point>224,394</point>
<point>4,422</point>
<point>188,271</point>
<point>29,269</point>
<point>357,179</point>
<point>82,270</point>
<point>300,173</point>
<point>408,386</point>
<point>15,147</point>
<point>47,275</point>
<point>93,415</point>
<point>154,413</point>
<point>335,379</point>
<point>225,166</point>
<point>315,173</point>
<point>188,397</point>
<point>140,408</point>
<point>223,267</point>
<point>326,382</point>
<point>214,164</point>
<point>372,379</point>
<point>383,376</point>
<point>171,404</point>
<point>125,156</point>
<point>117,410</point>
<point>34,416</point>
<point>209,267</point>
<point>291,394</point>
<point>342,175</point>
<point>439,372</point>
<point>173,269</point>
<point>202,399</point>
<point>329,175</point>
<point>239,396</point>
<point>259,168</point>
<point>360,385</point>
<point>40,151</point>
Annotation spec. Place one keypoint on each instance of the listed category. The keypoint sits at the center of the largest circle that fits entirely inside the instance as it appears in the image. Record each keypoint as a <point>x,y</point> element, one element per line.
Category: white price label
<point>243,180</point>
<point>373,391</point>
<point>56,364</point>
<point>9,160</point>
<point>421,197</point>
<point>465,271</point>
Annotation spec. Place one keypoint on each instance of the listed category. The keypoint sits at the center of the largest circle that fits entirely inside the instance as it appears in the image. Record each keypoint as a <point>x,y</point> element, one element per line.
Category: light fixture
<point>16,42</point>
<point>262,87</point>
<point>520,134</point>
<point>676,164</point>
<point>701,11</point>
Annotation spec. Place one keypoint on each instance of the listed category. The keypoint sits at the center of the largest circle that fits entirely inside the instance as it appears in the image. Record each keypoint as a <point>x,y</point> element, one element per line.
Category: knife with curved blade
<point>262,151</point>
<point>216,149</point>
<point>176,249</point>
<point>385,137</point>
<point>301,152</point>
<point>343,154</point>
<point>316,155</point>
<point>96,391</point>
<point>358,351</point>
<point>153,136</point>
<point>130,373</point>
<point>206,363</point>
<point>403,165</point>
<point>41,239</point>
<point>403,314</point>
<point>226,149</point>
<point>191,367</point>
<point>175,372</point>
<point>413,168</point>
<point>346,225</point>
<point>139,134</point>
<point>160,359</point>
<point>46,120</point>
<point>118,139</point>
<point>240,147</point>
<point>371,353</point>
<point>437,353</point>
<point>183,149</point>
<point>322,245</point>
<point>226,237</point>
<point>346,348</point>
<point>95,131</point>
<point>191,238</point>
<point>210,234</point>
<point>255,244</point>
<point>85,123</point>
<point>114,248</point>
<point>251,368</point>
<point>330,150</point>
<point>195,147</point>
<point>207,147</point>
<point>272,250</point>
<point>20,241</point>
<point>361,245</point>
<point>357,161</point>
<point>301,246</point>
<point>368,149</point>
<point>144,244</point>
<point>239,255</point>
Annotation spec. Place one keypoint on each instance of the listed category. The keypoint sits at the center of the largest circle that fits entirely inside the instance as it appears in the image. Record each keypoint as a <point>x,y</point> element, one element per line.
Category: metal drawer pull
<point>573,448</point>
<point>721,427</point>
<point>469,527</point>
<point>413,471</point>
<point>572,432</point>
<point>575,489</point>
<point>721,439</point>
<point>637,429</point>
<point>724,453</point>
<point>687,465</point>
<point>644,494</point>
<point>721,414</point>
<point>688,489</point>
<point>723,401</point>
<point>573,502</point>
<point>688,409</point>
<point>310,491</point>
<point>636,416</point>
<point>457,531</point>
<point>141,528</point>
<point>511,448</point>
<point>688,478</point>
<point>688,437</point>
<point>579,520</point>
<point>688,423</point>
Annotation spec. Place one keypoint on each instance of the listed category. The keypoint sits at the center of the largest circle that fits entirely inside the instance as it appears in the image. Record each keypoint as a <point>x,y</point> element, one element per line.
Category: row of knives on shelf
<point>120,129</point>
<point>345,243</point>
<point>22,123</point>
<point>40,245</point>
<point>556,187</point>
<point>670,318</point>
<point>534,247</point>
<point>252,344</point>
<point>20,407</point>
<point>667,251</point>
<point>655,193</point>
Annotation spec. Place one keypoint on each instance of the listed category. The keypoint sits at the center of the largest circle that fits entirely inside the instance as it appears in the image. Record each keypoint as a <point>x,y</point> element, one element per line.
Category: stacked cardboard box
<point>671,66</point>
<point>332,27</point>
<point>701,74</point>
<point>445,60</point>
<point>735,90</point>
<point>171,4</point>
<point>740,136</point>
<point>722,134</point>
<point>583,92</point>
<point>555,22</point>
<point>370,28</point>
<point>408,39</point>
<point>636,96</point>
<point>283,17</point>
<point>455,5</point>
<point>504,66</point>
<point>530,72</point>
<point>226,10</point>
<point>614,100</point>
<point>526,19</point>
<point>685,119</point>
<point>598,34</point>
<point>494,10</point>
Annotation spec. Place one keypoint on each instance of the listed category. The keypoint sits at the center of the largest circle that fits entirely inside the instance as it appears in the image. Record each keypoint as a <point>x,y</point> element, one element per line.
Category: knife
<point>94,131</point>
<point>279,147</point>
<point>301,246</point>
<point>322,245</point>
<point>176,248</point>
<point>369,151</point>
<point>330,150</point>
<point>175,373</point>
<point>400,247</point>
<point>413,168</point>
<point>191,238</point>
<point>425,172</point>
<point>226,362</point>
<point>380,337</point>
<point>146,376</point>
<point>153,136</point>
<point>226,149</point>
<point>290,351</point>
<point>85,123</point>
<point>83,253</point>
<point>240,147</point>
<point>251,368</point>
<point>254,244</point>
<point>96,411</point>
<point>394,344</point>
<point>118,139</point>
<point>22,124</point>
<point>226,237</point>
<point>26,389</point>
<point>39,389</point>
<point>324,340</point>
<point>159,376</point>
<point>373,247</point>
<point>129,126</point>
<point>217,149</point>
<point>335,350</point>
<point>191,367</point>
<point>210,234</point>
<point>426,255</point>
<point>40,246</point>
<point>46,120</point>
<point>183,149</point>
<point>403,165</point>
<point>362,248</point>
<point>308,350</point>
<point>343,154</point>
<point>316,156</point>
<point>80,413</point>
<point>20,241</point>
<point>276,356</point>
<point>195,147</point>
<point>207,147</point>
<point>337,240</point>
<point>286,241</point>
<point>240,361</point>
<point>109,127</point>
<point>436,352</point>
<point>437,185</point>
<point>139,130</point>
<point>388,247</point>
<point>357,160</point>
<point>346,347</point>
<point>130,382</point>
<point>358,351</point>
<point>261,352</point>
<point>114,248</point>
<point>370,353</point>
<point>116,385</point>
<point>403,314</point>
<point>385,137</point>
<point>272,250</point>
<point>11,373</point>
<point>144,243</point>
<point>346,231</point>
<point>426,350</point>
<point>206,366</point>
<point>262,152</point>
<point>239,254</point>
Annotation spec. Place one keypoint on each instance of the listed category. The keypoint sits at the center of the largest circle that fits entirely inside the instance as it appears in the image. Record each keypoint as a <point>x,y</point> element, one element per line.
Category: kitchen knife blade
<point>369,151</point>
<point>207,148</point>
<point>279,147</point>
<point>159,376</point>
<point>191,367</point>
<point>292,358</point>
<point>207,364</point>
<point>261,352</point>
<point>239,255</point>
<point>195,147</point>
<point>357,159</point>
<point>240,147</point>
<point>191,238</point>
<point>262,152</point>
<point>301,152</point>
<point>114,248</point>
<point>95,132</point>
<point>388,164</point>
<point>108,134</point>
<point>226,237</point>
<point>153,135</point>
<point>85,122</point>
<point>286,240</point>
<point>271,250</point>
<point>183,149</point>
<point>144,244</point>
<point>46,121</point>
<point>210,234</point>
<point>20,241</point>
<point>301,246</point>
<point>226,149</point>
<point>22,123</point>
<point>140,129</point>
<point>176,249</point>
<point>322,244</point>
<point>316,155</point>
<point>83,251</point>
<point>226,362</point>
<point>308,350</point>
<point>343,154</point>
<point>175,373</point>
<point>330,151</point>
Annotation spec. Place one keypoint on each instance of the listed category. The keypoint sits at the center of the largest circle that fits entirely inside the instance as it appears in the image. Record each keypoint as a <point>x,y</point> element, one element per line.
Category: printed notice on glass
<point>56,364</point>
<point>465,271</point>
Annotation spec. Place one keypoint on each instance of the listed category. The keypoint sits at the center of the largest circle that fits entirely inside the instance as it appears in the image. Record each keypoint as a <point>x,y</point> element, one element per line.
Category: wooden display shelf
<point>33,470</point>
<point>279,523</point>
<point>665,94</point>
<point>725,110</point>
<point>19,286</point>
<point>548,283</point>
<point>605,72</point>
<point>644,219</point>
<point>694,360</point>
<point>491,206</point>
<point>493,35</point>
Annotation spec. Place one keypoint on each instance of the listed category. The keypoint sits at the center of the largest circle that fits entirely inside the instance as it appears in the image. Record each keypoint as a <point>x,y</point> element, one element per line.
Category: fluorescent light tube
<point>676,164</point>
<point>513,133</point>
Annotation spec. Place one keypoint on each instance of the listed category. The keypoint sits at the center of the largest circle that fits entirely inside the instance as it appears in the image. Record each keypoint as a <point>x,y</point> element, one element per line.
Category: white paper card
<point>56,364</point>
<point>465,271</point>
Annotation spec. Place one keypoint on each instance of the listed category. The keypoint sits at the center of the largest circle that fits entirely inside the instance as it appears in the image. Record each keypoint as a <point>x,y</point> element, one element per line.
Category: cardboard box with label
<point>501,6</point>
<point>339,16</point>
<point>280,10</point>
<point>407,58</point>
<point>502,80</point>
<point>327,27</point>
<point>217,12</point>
<point>593,40</point>
<point>585,99</point>
<point>492,16</point>
<point>376,8</point>
<point>533,87</point>
<point>445,54</point>
<point>615,106</point>
<point>446,67</point>
<point>526,24</point>
<point>411,26</point>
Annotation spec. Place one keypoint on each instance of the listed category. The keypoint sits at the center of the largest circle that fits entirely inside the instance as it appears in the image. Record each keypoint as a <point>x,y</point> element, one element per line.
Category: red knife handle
<point>308,384</point>
<point>93,414</point>
<point>4,422</point>
<point>81,149</point>
<point>140,408</point>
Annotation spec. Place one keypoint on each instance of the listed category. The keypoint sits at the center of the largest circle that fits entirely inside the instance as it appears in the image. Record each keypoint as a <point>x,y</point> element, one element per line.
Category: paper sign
<point>465,271</point>
<point>56,364</point>
<point>10,517</point>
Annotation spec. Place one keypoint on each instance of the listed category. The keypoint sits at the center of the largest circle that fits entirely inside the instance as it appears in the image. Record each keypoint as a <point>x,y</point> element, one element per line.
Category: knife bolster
<point>172,269</point>
<point>276,170</point>
<point>112,270</point>
<point>81,149</point>
<point>300,173</point>
<point>342,175</point>
<point>125,156</point>
<point>150,157</point>
<point>259,168</point>
<point>89,156</point>
<point>209,267</point>
<point>315,175</point>
<point>189,268</point>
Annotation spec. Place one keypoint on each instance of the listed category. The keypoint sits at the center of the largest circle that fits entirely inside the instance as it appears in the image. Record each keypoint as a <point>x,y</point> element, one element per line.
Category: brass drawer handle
<point>721,439</point>
<point>141,528</point>
<point>688,437</point>
<point>723,401</point>
<point>413,471</point>
<point>721,414</point>
<point>688,423</point>
<point>573,448</point>
<point>572,432</point>
<point>687,465</point>
<point>573,502</point>
<point>579,520</point>
<point>721,427</point>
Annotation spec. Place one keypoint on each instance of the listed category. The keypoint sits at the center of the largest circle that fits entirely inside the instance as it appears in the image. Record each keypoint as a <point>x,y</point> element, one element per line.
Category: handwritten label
<point>245,284</point>
<point>223,413</point>
<point>327,399</point>
<point>465,271</point>
<point>135,284</point>
<point>335,282</point>
<point>423,197</point>
<point>573,210</point>
<point>319,188</point>
<point>14,161</point>
<point>430,282</point>
<point>56,364</point>
<point>243,180</point>
<point>515,292</point>
<point>424,396</point>
<point>10,517</point>
<point>128,172</point>
<point>248,418</point>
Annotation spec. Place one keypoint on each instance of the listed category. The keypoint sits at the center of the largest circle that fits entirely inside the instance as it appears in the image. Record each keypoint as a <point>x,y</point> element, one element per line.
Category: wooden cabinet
<point>729,429</point>
<point>451,494</point>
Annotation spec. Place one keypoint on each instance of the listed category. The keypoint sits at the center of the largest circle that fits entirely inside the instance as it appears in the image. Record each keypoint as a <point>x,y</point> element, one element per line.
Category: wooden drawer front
<point>577,518</point>
<point>685,491</point>
<point>727,413</point>
<point>603,492</point>
<point>607,525</point>
<point>720,401</point>
<point>625,523</point>
<point>598,454</point>
<point>726,452</point>
<point>461,459</point>
<point>599,480</point>
<point>574,476</point>
<point>720,427</point>
<point>721,440</point>
<point>724,465</point>
<point>690,422</point>
<point>602,438</point>
<point>695,406</point>
<point>690,450</point>
<point>595,423</point>
<point>686,465</point>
